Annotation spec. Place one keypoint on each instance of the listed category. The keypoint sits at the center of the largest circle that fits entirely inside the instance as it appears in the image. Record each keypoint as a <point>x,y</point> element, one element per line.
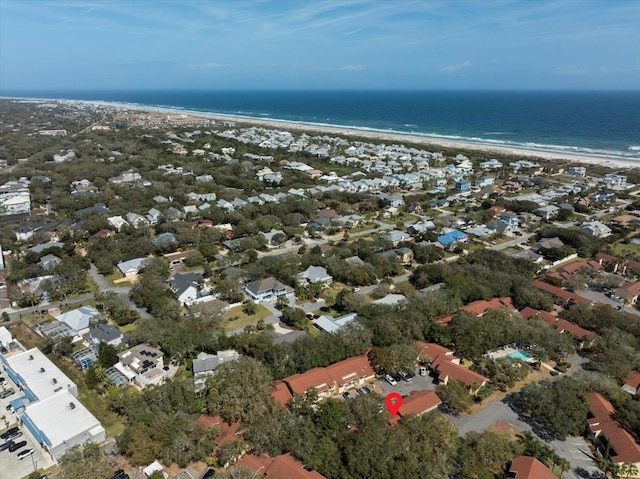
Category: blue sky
<point>306,44</point>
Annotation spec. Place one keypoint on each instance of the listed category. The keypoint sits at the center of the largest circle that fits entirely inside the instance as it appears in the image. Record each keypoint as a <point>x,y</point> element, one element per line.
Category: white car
<point>390,380</point>
<point>25,453</point>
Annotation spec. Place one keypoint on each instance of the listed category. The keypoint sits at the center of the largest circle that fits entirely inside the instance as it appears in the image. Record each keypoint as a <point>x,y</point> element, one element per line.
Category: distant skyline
<point>299,44</point>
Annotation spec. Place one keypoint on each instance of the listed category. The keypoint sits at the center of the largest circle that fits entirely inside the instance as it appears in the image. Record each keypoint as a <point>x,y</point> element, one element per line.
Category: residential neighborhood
<point>197,295</point>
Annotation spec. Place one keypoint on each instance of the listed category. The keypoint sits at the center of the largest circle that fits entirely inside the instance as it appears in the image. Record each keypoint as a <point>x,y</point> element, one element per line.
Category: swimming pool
<point>521,355</point>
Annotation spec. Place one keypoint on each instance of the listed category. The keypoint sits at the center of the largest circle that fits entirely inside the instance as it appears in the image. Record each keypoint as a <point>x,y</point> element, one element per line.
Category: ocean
<point>601,123</point>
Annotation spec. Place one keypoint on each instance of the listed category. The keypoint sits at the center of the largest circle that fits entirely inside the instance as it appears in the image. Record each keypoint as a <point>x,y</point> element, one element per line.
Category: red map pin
<point>393,402</point>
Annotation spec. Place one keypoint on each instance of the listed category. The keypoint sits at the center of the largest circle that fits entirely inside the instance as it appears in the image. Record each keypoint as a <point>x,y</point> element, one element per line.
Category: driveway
<point>574,449</point>
<point>604,299</point>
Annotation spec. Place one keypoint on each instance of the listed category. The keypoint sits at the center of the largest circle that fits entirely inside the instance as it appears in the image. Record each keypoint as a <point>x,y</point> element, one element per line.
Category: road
<point>122,291</point>
<point>574,449</point>
<point>603,298</point>
<point>519,240</point>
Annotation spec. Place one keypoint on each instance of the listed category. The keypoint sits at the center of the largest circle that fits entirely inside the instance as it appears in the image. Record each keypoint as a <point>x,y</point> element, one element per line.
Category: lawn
<point>241,319</point>
<point>86,302</point>
<point>621,249</point>
<point>129,327</point>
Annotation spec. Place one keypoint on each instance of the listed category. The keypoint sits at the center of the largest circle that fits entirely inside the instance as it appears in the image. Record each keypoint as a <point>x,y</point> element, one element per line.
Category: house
<point>428,352</point>
<point>279,467</point>
<point>186,287</point>
<point>268,289</point>
<point>49,262</point>
<point>132,267</point>
<point>481,306</point>
<point>548,243</point>
<point>118,222</point>
<point>559,292</point>
<point>528,255</point>
<point>274,237</point>
<point>104,333</point>
<point>445,370</point>
<point>396,237</point>
<point>632,383</point>
<point>417,403</point>
<point>462,186</point>
<point>136,220</point>
<point>525,467</point>
<point>280,393</point>
<point>228,431</point>
<point>5,337</point>
<point>452,237</point>
<point>547,212</point>
<point>331,325</point>
<point>142,364</point>
<point>80,318</point>
<point>390,299</point>
<point>421,227</point>
<point>629,292</point>
<point>595,229</point>
<point>501,227</point>
<point>315,275</point>
<point>205,365</point>
<point>609,434</point>
<point>334,379</point>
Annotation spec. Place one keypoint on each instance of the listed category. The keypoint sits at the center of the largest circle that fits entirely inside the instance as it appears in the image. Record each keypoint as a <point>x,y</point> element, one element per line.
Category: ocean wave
<point>634,148</point>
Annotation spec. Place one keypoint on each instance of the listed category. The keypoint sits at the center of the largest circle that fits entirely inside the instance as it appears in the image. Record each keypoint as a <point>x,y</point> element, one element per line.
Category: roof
<point>330,325</point>
<point>562,325</point>
<point>104,332</point>
<point>79,318</point>
<point>132,264</point>
<point>181,282</point>
<point>390,299</point>
<point>633,380</point>
<point>446,368</point>
<point>559,292</point>
<point>451,237</point>
<point>209,362</point>
<point>529,312</point>
<point>525,467</point>
<point>281,393</point>
<point>284,466</point>
<point>59,421</point>
<point>481,306</point>
<point>29,366</point>
<point>417,403</point>
<point>314,274</point>
<point>624,448</point>
<point>344,371</point>
<point>266,284</point>
<point>228,431</point>
<point>317,378</point>
<point>433,350</point>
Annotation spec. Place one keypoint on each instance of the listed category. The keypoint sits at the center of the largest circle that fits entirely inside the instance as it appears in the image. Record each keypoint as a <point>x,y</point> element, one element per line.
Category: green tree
<point>107,355</point>
<point>249,307</point>
<point>455,395</point>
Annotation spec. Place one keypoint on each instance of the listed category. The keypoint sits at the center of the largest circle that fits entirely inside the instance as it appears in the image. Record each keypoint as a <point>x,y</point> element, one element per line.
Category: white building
<point>61,422</point>
<point>142,364</point>
<point>5,337</point>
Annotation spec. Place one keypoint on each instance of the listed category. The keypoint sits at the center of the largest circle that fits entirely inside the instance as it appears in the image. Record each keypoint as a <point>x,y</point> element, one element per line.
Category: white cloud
<point>456,67</point>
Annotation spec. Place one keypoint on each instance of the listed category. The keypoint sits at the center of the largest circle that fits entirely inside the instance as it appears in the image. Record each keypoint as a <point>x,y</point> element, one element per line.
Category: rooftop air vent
<point>41,370</point>
<point>54,381</point>
<point>31,357</point>
<point>72,405</point>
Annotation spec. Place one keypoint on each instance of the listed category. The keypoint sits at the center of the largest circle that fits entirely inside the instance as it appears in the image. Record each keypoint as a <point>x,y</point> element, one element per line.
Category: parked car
<point>2,379</point>
<point>13,436</point>
<point>17,445</point>
<point>390,380</point>
<point>6,445</point>
<point>8,432</point>
<point>25,453</point>
<point>120,474</point>
<point>6,393</point>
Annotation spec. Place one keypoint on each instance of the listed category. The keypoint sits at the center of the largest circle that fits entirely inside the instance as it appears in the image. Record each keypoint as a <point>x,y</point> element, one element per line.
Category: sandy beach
<point>428,142</point>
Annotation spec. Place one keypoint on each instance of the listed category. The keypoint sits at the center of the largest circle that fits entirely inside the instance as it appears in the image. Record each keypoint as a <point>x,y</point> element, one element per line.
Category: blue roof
<point>451,237</point>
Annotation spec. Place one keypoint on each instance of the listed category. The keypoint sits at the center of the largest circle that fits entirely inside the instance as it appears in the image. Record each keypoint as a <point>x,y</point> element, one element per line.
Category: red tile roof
<point>563,325</point>
<point>528,313</point>
<point>526,467</point>
<point>281,393</point>
<point>284,466</point>
<point>228,431</point>
<point>433,350</point>
<point>417,403</point>
<point>448,370</point>
<point>481,306</point>
<point>623,447</point>
<point>317,378</point>
<point>633,380</point>
<point>352,368</point>
<point>574,266</point>
<point>324,379</point>
<point>559,292</point>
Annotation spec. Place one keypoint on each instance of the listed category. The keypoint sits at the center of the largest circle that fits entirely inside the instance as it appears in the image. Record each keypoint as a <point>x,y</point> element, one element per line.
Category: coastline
<point>425,140</point>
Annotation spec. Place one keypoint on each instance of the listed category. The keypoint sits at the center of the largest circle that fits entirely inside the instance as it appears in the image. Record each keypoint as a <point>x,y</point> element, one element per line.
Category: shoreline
<point>610,161</point>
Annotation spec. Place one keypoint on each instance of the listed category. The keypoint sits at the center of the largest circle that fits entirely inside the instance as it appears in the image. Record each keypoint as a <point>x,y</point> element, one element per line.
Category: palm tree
<point>627,469</point>
<point>565,465</point>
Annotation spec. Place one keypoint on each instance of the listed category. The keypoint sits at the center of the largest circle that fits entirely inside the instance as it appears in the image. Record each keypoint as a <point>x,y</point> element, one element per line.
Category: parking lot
<point>10,465</point>
<point>405,387</point>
